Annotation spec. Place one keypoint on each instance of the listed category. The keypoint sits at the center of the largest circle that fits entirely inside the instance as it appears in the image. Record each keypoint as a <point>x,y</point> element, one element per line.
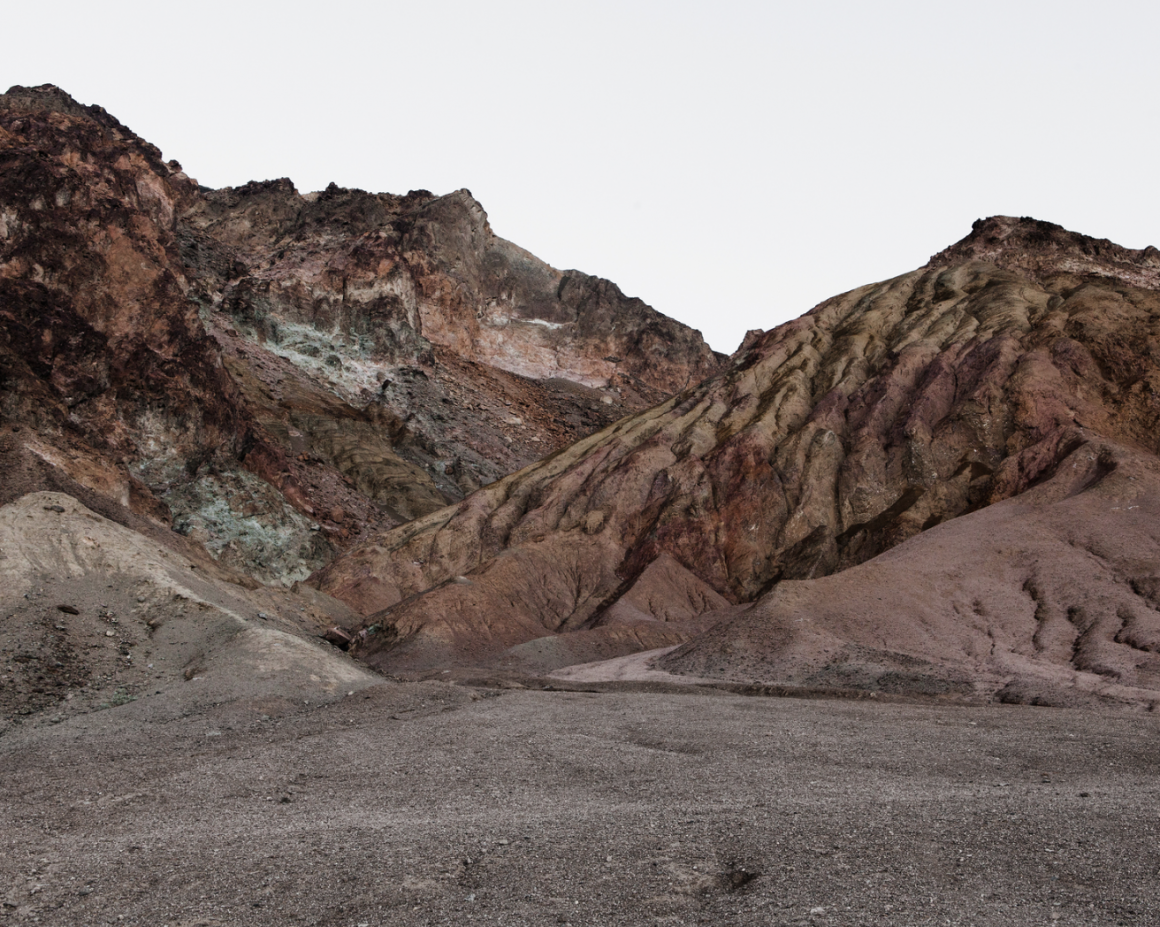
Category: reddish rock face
<point>480,358</point>
<point>99,342</point>
<point>880,414</point>
<point>941,483</point>
<point>1048,598</point>
<point>390,276</point>
<point>106,364</point>
<point>244,364</point>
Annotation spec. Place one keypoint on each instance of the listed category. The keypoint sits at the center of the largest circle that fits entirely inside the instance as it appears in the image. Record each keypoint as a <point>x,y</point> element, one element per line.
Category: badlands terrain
<point>359,568</point>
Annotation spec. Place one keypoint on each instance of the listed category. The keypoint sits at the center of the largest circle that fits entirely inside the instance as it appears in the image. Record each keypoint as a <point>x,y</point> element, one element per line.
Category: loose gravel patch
<point>433,803</point>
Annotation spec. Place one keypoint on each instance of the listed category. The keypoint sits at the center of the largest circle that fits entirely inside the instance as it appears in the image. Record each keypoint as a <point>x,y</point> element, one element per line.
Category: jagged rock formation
<point>1042,250</point>
<point>477,357</point>
<point>275,375</point>
<point>394,275</point>
<point>107,372</point>
<point>882,413</point>
<point>940,483</point>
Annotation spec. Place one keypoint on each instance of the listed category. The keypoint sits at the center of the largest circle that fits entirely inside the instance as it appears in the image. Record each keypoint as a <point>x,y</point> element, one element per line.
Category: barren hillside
<point>881,414</point>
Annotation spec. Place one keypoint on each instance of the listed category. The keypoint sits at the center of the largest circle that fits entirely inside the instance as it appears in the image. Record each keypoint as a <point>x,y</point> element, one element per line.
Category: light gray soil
<point>433,803</point>
<point>635,667</point>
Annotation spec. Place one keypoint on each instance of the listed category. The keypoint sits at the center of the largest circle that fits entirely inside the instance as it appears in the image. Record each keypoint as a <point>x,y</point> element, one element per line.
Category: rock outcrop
<point>944,483</point>
<point>388,277</point>
<point>273,374</point>
<point>880,414</point>
<point>1043,250</point>
<point>107,369</point>
<point>478,357</point>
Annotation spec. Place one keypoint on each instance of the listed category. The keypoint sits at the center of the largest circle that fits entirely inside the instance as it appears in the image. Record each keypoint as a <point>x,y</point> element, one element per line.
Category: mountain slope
<point>878,415</point>
<point>1050,598</point>
<point>97,615</point>
<point>275,375</point>
<point>267,382</point>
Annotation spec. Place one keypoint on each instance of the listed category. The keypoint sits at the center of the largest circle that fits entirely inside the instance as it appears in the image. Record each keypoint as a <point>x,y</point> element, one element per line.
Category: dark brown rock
<point>394,275</point>
<point>102,353</point>
<point>339,637</point>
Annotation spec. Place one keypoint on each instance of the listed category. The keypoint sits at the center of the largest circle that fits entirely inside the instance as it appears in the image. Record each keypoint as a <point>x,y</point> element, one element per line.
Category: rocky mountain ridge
<point>878,416</point>
<point>940,484</point>
<point>275,374</point>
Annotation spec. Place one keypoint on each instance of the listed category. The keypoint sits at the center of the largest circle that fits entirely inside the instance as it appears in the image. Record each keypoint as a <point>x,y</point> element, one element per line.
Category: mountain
<point>1007,392</point>
<point>275,374</point>
<point>368,416</point>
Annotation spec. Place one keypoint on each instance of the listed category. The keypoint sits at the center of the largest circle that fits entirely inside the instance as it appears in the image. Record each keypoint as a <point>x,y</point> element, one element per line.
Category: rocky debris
<point>617,808</point>
<point>880,414</point>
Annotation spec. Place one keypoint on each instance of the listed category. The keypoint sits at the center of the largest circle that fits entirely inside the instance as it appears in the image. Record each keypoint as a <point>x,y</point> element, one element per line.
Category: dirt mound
<point>94,615</point>
<point>1050,598</point>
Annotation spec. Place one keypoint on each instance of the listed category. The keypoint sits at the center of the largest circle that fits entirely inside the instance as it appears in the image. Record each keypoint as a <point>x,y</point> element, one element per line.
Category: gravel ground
<point>432,803</point>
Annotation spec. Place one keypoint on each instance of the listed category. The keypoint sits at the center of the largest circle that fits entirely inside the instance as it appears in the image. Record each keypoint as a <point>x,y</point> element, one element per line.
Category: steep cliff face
<point>880,414</point>
<point>390,276</point>
<point>108,372</point>
<point>480,357</point>
<point>99,341</point>
<point>275,375</point>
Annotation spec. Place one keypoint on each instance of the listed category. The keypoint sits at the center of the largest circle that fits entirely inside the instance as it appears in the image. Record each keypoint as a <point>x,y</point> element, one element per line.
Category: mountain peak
<point>41,95</point>
<point>1043,249</point>
<point>50,98</point>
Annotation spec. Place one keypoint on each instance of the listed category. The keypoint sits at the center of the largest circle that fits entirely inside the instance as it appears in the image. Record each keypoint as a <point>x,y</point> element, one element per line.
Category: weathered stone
<point>883,412</point>
<point>365,354</point>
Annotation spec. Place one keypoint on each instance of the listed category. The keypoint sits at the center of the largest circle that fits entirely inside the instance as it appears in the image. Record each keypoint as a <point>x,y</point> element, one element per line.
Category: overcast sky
<point>731,163</point>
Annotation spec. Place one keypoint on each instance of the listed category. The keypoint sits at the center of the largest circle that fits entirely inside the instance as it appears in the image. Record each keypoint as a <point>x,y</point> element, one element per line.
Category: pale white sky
<point>731,163</point>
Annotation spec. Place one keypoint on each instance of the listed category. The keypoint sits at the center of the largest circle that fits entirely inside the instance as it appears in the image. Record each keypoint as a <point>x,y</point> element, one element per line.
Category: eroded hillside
<point>273,374</point>
<point>882,413</point>
<point>495,463</point>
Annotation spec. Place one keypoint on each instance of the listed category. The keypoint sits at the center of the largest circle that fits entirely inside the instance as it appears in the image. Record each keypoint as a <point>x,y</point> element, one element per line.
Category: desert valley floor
<point>439,803</point>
